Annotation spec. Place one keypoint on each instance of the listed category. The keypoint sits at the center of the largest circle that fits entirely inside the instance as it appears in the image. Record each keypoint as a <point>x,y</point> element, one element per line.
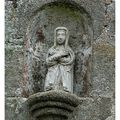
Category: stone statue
<point>60,60</point>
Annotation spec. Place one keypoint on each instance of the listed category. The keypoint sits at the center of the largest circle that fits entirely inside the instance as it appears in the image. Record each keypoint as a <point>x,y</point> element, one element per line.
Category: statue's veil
<point>67,36</point>
<point>66,43</point>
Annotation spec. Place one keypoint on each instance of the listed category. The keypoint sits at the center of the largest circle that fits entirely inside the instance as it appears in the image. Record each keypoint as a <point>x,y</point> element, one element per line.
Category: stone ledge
<point>53,103</point>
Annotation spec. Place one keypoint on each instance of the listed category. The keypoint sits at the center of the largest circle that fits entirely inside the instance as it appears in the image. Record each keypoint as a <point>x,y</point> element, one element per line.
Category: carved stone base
<point>53,105</point>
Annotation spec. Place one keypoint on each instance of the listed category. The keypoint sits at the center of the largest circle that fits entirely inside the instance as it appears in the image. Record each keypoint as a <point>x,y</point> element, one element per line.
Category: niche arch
<point>40,35</point>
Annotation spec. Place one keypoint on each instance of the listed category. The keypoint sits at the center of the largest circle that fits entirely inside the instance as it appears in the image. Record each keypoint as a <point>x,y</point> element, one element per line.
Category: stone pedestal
<point>53,105</point>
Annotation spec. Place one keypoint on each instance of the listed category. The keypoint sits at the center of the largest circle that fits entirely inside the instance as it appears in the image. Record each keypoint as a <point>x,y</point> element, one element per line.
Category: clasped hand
<point>59,56</point>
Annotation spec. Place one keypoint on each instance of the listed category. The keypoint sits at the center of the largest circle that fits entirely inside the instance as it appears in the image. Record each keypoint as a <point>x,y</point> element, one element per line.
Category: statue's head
<point>61,36</point>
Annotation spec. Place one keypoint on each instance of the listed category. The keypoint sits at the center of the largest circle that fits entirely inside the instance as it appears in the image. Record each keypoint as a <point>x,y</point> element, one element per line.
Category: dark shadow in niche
<point>41,28</point>
<point>38,63</point>
<point>71,4</point>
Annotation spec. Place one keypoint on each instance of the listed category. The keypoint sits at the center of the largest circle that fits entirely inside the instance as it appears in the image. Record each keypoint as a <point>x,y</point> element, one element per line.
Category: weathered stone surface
<point>95,8</point>
<point>57,104</point>
<point>13,33</point>
<point>16,109</point>
<point>112,116</point>
<point>93,109</point>
<point>13,69</point>
<point>109,23</point>
<point>86,111</point>
<point>10,107</point>
<point>107,2</point>
<point>13,51</point>
<point>103,69</point>
<point>101,86</point>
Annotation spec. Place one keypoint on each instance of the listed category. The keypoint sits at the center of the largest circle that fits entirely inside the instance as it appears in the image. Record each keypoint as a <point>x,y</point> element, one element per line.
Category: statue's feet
<point>65,89</point>
<point>49,87</point>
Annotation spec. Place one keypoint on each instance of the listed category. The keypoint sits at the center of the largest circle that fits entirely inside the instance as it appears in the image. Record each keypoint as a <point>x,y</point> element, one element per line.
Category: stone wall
<point>23,25</point>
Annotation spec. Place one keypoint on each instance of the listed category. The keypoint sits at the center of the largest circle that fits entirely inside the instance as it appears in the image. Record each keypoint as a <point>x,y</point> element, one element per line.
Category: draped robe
<point>60,73</point>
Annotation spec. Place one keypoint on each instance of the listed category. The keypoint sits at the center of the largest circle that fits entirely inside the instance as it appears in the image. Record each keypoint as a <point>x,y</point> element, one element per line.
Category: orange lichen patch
<point>104,48</point>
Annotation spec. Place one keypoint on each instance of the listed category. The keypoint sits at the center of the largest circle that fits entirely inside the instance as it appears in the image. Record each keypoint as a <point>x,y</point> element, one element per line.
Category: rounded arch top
<point>68,13</point>
<point>40,33</point>
<point>94,9</point>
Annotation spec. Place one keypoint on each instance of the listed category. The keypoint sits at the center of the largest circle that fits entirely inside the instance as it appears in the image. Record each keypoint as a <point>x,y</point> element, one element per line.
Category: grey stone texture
<point>55,103</point>
<point>16,109</point>
<point>31,22</point>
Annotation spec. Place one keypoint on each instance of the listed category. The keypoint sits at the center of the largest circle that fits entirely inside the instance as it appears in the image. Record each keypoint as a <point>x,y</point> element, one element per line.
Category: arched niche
<point>40,37</point>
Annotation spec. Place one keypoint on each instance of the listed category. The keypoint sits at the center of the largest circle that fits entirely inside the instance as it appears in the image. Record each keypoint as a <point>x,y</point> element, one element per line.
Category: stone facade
<point>31,22</point>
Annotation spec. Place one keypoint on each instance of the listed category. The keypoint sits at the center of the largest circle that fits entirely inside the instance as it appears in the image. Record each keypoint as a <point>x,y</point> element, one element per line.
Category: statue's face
<point>61,36</point>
